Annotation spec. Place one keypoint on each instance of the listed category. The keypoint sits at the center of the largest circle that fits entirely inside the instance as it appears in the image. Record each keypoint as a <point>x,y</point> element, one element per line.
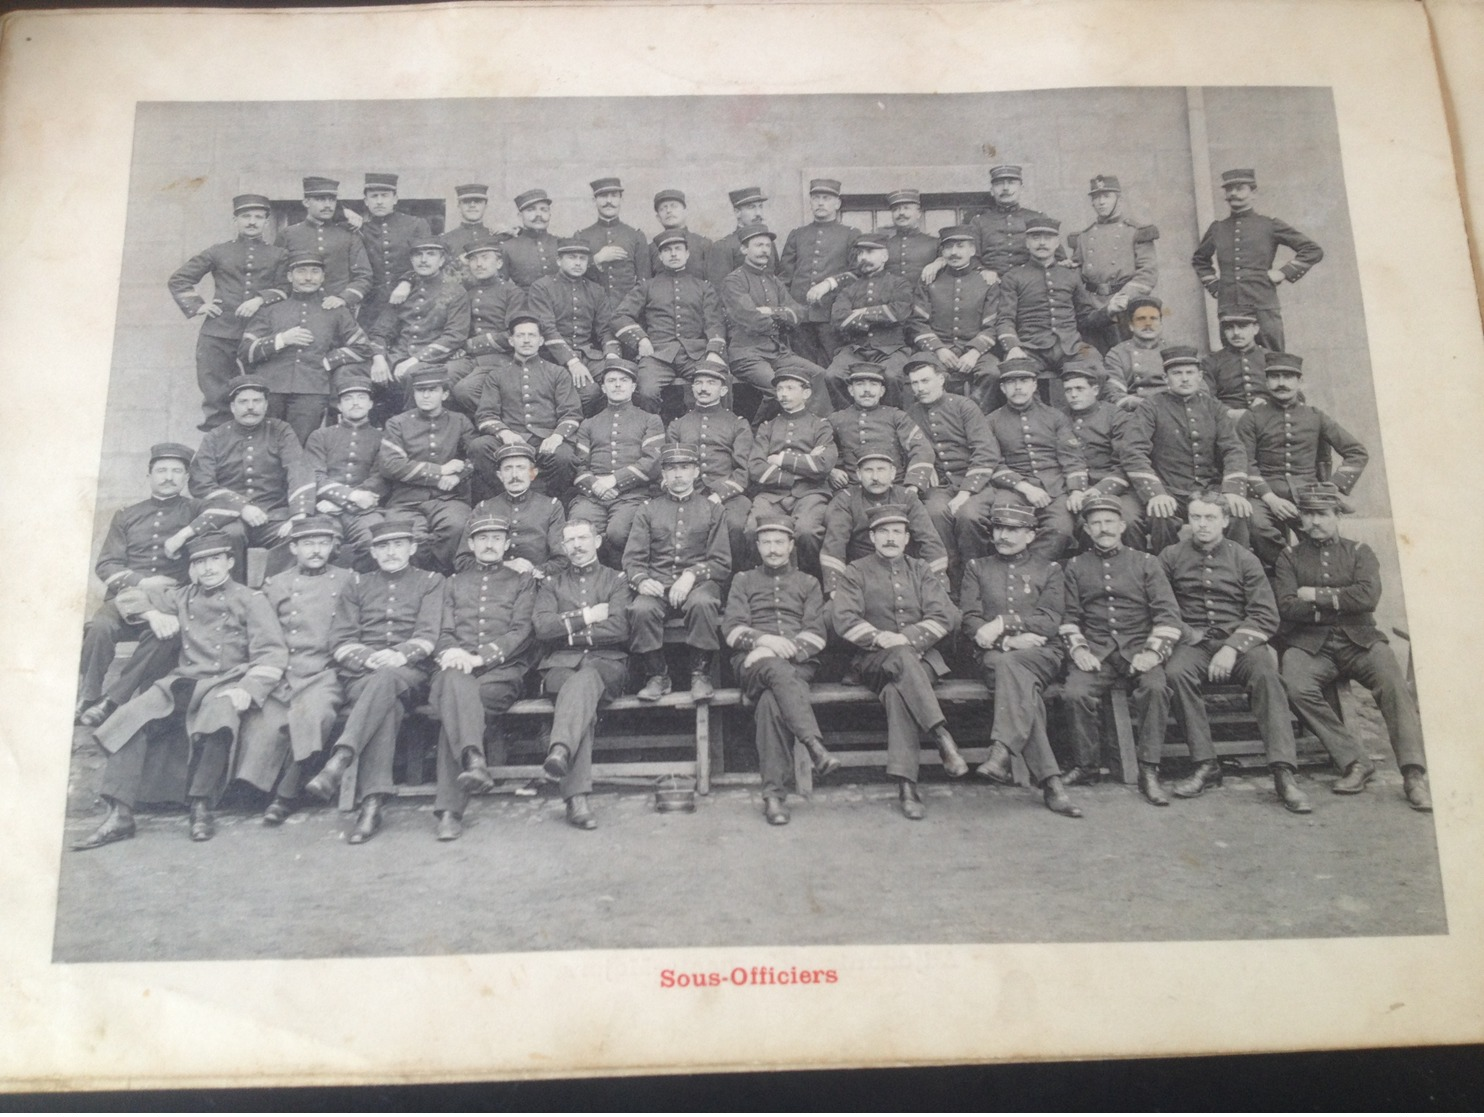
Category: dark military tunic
<point>1243,246</point>
<point>1001,237</point>
<point>530,255</point>
<point>908,251</point>
<point>302,369</point>
<point>624,441</point>
<point>813,253</point>
<point>534,534</point>
<point>1040,307</point>
<point>572,314</point>
<point>1287,446</point>
<point>857,428</point>
<point>965,448</point>
<point>695,264</point>
<point>1177,445</point>
<point>1128,362</point>
<point>414,448</point>
<point>1100,430</point>
<point>671,537</point>
<point>431,326</point>
<point>957,311</point>
<point>807,444</point>
<point>389,242</point>
<point>617,276</point>
<point>348,272</point>
<point>262,465</point>
<point>241,269</point>
<point>723,439</point>
<point>401,611</point>
<point>492,303</point>
<point>1119,601</point>
<point>134,548</point>
<point>343,458</point>
<point>886,299</point>
<point>1238,378</point>
<point>531,397</point>
<point>678,313</point>
<point>1037,444</point>
<point>725,256</point>
<point>463,234</point>
<point>847,531</point>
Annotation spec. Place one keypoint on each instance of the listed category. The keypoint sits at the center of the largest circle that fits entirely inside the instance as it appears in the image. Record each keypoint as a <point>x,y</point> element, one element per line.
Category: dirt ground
<point>987,865</point>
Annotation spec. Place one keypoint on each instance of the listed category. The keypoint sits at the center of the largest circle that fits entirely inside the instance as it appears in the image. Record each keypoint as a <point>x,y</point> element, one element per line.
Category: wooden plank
<point>1128,762</point>
<point>348,784</point>
<point>803,771</point>
<point>703,749</point>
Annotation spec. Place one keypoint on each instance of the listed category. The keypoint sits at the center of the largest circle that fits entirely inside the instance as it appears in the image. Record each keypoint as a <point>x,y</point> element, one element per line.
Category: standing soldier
<point>896,610</point>
<point>867,422</point>
<point>669,207</point>
<point>425,457</point>
<point>728,254</point>
<point>908,248</point>
<point>1101,429</point>
<point>793,455</point>
<point>486,647</point>
<point>1012,610</point>
<point>1235,373</point>
<point>243,273</point>
<point>1328,588</point>
<point>1121,622</point>
<point>1287,444</point>
<point>847,521</point>
<point>294,721</point>
<point>954,317</point>
<point>386,626</point>
<point>1225,598</point>
<point>347,483</point>
<point>572,312</point>
<point>531,253</point>
<point>1116,257</point>
<point>347,267</point>
<point>533,521</point>
<point>813,256</point>
<point>1000,231</point>
<point>231,656</point>
<point>618,457</point>
<point>869,318</point>
<point>494,301</point>
<point>774,623</point>
<point>582,621</point>
<point>1042,304</point>
<point>473,199</point>
<point>620,253</point>
<point>723,441</point>
<point>296,346</point>
<point>388,235</point>
<point>422,333</point>
<point>1244,246</point>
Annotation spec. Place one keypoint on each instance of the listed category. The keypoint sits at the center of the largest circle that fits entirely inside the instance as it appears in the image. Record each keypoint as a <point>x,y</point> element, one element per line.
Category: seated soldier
<point>1328,588</point>
<point>494,301</point>
<point>425,457</point>
<point>582,621</point>
<point>386,626</point>
<point>677,560</point>
<point>868,422</point>
<point>142,548</point>
<point>793,454</point>
<point>896,610</point>
<point>231,656</point>
<point>869,314</point>
<point>1136,358</point>
<point>528,401</point>
<point>483,654</point>
<point>954,317</point>
<point>1236,373</point>
<point>723,441</point>
<point>573,314</point>
<point>1225,598</point>
<point>293,723</point>
<point>669,207</point>
<point>347,483</point>
<point>1101,428</point>
<point>1121,622</point>
<point>533,521</point>
<point>1042,304</point>
<point>618,457</point>
<point>1012,604</point>
<point>847,521</point>
<point>774,623</point>
<point>421,334</point>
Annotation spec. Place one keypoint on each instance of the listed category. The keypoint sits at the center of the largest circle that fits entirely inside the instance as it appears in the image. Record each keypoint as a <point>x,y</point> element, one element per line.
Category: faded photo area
<point>986,492</point>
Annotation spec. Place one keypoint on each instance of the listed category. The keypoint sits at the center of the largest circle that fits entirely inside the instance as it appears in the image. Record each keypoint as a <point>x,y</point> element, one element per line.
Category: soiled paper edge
<point>1457,28</point>
<point>68,82</point>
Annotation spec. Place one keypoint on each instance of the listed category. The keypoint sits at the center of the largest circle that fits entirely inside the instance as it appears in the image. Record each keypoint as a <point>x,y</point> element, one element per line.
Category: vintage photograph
<point>550,524</point>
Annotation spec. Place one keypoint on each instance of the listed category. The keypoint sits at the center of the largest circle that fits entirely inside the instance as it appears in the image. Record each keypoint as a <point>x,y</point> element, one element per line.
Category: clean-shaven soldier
<point>813,256</point>
<point>473,199</point>
<point>620,253</point>
<point>425,459</point>
<point>1101,429</point>
<point>793,454</point>
<point>618,459</point>
<point>1235,372</point>
<point>723,441</point>
<point>348,274</point>
<point>573,313</point>
<point>388,235</point>
<point>494,302</point>
<point>669,208</point>
<point>1116,259</point>
<point>347,483</point>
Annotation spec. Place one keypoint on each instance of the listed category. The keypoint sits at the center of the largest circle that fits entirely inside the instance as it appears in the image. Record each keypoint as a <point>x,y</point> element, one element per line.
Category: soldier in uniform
<point>347,483</point>
<point>422,333</point>
<point>1287,443</point>
<point>869,317</point>
<point>895,610</point>
<point>531,401</point>
<point>674,321</point>
<point>1116,258</point>
<point>618,457</point>
<point>486,647</point>
<point>1042,304</point>
<point>231,656</point>
<point>669,208</point>
<point>1180,440</point>
<point>348,275</point>
<point>999,232</point>
<point>847,521</point>
<point>759,313</point>
<point>813,256</point>
<point>494,302</point>
<point>774,623</point>
<point>1136,358</point>
<point>1328,588</point>
<point>254,477</point>
<point>533,521</point>
<point>388,235</point>
<point>573,314</point>
<point>142,548</point>
<point>1244,247</point>
<point>1012,610</point>
<point>473,199</point>
<point>954,317</point>
<point>1041,462</point>
<point>1235,373</point>
<point>296,346</point>
<point>793,455</point>
<point>966,455</point>
<point>1121,622</point>
<point>868,422</point>
<point>386,625</point>
<point>908,249</point>
<point>677,560</point>
<point>1225,598</point>
<point>582,621</point>
<point>293,723</point>
<point>728,254</point>
<point>244,272</point>
<point>425,457</point>
<point>723,440</point>
<point>1101,429</point>
<point>620,253</point>
<point>531,253</point>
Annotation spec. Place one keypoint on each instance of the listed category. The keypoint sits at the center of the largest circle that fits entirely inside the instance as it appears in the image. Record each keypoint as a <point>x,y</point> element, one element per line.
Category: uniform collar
<point>1211,550</point>
<point>321,572</point>
<point>782,571</point>
<point>1117,549</point>
<point>519,499</point>
<point>243,238</point>
<point>584,569</point>
<point>531,233</point>
<point>167,499</point>
<point>354,424</point>
<point>305,296</point>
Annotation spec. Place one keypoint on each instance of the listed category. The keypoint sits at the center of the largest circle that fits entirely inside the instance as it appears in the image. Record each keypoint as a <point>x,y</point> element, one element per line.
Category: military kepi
<point>1284,362</point>
<point>1174,356</point>
<point>774,522</point>
<point>394,527</point>
<point>246,383</point>
<point>250,201</point>
<point>1012,515</point>
<point>679,455</point>
<point>317,187</point>
<point>312,526</point>
<point>212,543</point>
<point>170,450</point>
<point>888,514</point>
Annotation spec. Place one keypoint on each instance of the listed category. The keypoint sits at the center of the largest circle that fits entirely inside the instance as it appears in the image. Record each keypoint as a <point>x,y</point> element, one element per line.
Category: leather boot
<point>475,778</point>
<point>368,821</point>
<point>655,688</point>
<point>1207,774</point>
<point>997,767</point>
<point>278,810</point>
<point>774,811</point>
<point>825,762</point>
<point>1285,782</point>
<point>1150,787</point>
<point>117,826</point>
<point>324,785</point>
<point>579,815</point>
<point>96,714</point>
<point>954,764</point>
<point>911,802</point>
<point>202,826</point>
<point>1355,778</point>
<point>701,687</point>
<point>558,762</point>
<point>1056,798</point>
<point>450,826</point>
<point>1414,784</point>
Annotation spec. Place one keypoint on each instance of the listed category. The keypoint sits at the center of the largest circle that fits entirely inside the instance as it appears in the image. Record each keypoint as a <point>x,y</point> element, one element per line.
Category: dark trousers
<point>464,703</point>
<point>1018,680</point>
<point>1164,531</point>
<point>1084,697</point>
<point>782,716</point>
<point>300,410</point>
<point>1270,330</point>
<point>152,660</point>
<point>216,368</point>
<point>1305,675</point>
<point>905,686</point>
<point>378,703</point>
<point>264,535</point>
<point>1256,671</point>
<point>657,374</point>
<point>577,692</point>
<point>100,637</point>
<point>466,378</point>
<point>1269,534</point>
<point>160,760</point>
<point>555,470</point>
<point>701,612</point>
<point>611,519</point>
<point>816,342</point>
<point>438,526</point>
<point>756,368</point>
<point>734,511</point>
<point>806,512</point>
<point>965,533</point>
